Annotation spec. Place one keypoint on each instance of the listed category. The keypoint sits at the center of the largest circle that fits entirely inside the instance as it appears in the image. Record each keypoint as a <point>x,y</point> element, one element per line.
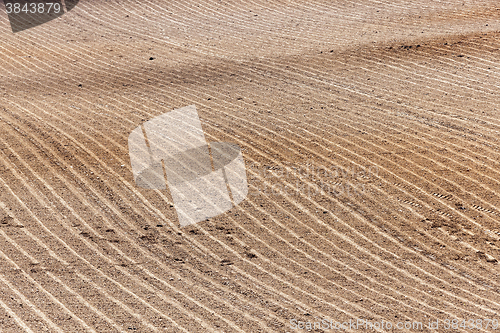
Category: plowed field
<point>370,134</point>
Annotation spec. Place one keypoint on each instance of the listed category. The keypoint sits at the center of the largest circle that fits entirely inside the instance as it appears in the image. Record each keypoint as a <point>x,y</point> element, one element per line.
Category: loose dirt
<point>369,129</point>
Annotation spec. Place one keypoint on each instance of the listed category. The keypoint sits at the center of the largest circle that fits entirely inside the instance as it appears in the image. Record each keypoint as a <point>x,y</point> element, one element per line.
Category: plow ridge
<point>368,131</point>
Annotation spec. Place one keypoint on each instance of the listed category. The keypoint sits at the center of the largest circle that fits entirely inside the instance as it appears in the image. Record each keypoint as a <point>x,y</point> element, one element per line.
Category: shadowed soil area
<point>370,135</point>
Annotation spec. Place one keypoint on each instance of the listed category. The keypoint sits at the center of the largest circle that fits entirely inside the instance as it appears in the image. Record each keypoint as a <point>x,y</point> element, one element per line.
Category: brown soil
<point>396,103</point>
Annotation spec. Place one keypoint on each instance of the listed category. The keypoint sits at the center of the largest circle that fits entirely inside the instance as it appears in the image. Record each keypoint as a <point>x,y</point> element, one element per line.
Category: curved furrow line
<point>325,119</point>
<point>34,261</point>
<point>467,56</point>
<point>41,32</point>
<point>423,111</point>
<point>36,311</point>
<point>414,81</point>
<point>443,202</point>
<point>122,287</point>
<point>469,151</point>
<point>259,28</point>
<point>114,25</point>
<point>457,97</point>
<point>210,8</point>
<point>384,63</point>
<point>302,256</point>
<point>132,312</point>
<point>21,325</point>
<point>108,225</point>
<point>89,16</point>
<point>363,18</point>
<point>401,95</point>
<point>434,143</point>
<point>103,67</point>
<point>439,148</point>
<point>32,281</point>
<point>437,77</point>
<point>408,4</point>
<point>306,254</point>
<point>374,7</point>
<point>482,175</point>
<point>479,54</point>
<point>210,11</point>
<point>98,312</point>
<point>360,275</point>
<point>81,220</point>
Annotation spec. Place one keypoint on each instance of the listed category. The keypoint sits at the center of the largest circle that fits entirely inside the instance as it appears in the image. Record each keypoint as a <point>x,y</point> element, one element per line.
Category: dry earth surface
<point>370,132</point>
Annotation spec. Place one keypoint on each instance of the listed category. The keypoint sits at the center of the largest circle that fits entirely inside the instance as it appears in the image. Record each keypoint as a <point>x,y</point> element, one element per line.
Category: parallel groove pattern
<point>348,84</point>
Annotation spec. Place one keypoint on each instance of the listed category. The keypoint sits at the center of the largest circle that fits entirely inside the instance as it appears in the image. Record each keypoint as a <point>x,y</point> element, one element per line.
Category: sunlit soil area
<point>369,131</point>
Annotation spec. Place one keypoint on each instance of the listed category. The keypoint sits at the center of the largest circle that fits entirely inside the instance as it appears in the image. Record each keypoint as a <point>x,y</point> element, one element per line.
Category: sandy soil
<point>370,133</point>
